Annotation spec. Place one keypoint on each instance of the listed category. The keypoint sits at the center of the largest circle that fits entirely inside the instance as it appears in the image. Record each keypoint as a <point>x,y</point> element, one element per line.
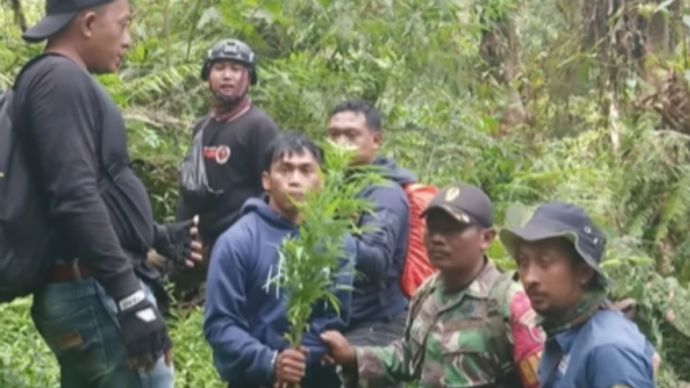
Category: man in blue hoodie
<point>378,305</point>
<point>245,317</point>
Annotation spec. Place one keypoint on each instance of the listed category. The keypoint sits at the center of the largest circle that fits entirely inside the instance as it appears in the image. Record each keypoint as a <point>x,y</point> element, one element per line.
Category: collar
<point>578,315</point>
<point>241,107</point>
<point>478,288</point>
<point>565,339</point>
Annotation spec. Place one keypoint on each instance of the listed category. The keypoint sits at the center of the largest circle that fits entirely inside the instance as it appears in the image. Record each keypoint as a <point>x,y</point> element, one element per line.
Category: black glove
<point>142,328</point>
<point>174,241</point>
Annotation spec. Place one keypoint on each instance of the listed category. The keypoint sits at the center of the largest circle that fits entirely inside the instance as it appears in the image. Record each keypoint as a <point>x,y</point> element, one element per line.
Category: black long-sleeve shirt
<point>75,131</point>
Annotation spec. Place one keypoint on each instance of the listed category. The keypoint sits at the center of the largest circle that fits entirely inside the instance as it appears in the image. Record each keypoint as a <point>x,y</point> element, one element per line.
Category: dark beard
<point>226,103</point>
<point>228,112</point>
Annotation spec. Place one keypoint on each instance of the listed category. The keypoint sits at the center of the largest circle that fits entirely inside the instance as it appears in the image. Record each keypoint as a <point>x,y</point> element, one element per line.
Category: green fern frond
<point>5,81</point>
<point>158,84</point>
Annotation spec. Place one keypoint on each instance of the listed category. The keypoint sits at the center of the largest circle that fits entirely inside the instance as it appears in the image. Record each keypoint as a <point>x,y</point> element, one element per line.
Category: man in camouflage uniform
<point>468,326</point>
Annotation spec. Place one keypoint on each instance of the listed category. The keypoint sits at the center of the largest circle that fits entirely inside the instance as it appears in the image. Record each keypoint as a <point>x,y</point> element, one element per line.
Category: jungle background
<point>585,101</point>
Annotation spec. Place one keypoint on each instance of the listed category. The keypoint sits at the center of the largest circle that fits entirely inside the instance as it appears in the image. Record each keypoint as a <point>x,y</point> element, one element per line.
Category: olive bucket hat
<point>556,219</point>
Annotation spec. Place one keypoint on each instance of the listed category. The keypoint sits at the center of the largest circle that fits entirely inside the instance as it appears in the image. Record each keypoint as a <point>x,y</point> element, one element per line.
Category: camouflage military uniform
<point>482,336</point>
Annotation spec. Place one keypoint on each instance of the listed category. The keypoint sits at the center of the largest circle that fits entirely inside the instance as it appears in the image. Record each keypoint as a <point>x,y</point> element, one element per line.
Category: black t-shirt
<point>75,131</point>
<point>233,152</point>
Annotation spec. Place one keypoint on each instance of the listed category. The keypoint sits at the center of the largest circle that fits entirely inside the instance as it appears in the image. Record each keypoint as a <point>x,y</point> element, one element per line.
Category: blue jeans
<point>78,322</point>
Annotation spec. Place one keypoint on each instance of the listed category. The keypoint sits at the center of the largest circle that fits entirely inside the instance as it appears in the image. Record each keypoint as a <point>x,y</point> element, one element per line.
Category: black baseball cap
<point>466,203</point>
<point>557,219</point>
<point>59,13</point>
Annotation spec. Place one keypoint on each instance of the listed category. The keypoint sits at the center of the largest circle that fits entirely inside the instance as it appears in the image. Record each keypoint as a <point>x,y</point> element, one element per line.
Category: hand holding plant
<point>310,269</point>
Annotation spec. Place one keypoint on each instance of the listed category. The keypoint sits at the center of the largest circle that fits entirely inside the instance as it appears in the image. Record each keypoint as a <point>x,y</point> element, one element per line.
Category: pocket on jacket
<point>468,360</point>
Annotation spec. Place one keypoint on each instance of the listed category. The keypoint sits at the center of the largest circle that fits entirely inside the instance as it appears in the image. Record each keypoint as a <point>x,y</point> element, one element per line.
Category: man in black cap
<point>97,312</point>
<point>558,252</point>
<point>469,325</point>
<point>234,136</point>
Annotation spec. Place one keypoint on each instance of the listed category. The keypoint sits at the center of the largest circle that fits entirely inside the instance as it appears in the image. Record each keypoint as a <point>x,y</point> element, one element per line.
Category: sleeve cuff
<point>121,285</point>
<point>360,354</point>
<point>270,367</point>
<point>158,235</point>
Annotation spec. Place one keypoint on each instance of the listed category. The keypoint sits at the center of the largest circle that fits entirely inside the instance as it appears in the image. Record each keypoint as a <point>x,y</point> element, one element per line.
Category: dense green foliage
<point>533,100</point>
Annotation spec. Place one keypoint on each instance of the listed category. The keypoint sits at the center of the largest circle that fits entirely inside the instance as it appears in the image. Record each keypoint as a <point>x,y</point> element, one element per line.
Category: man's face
<point>108,36</point>
<point>228,79</point>
<point>290,179</point>
<point>350,129</point>
<point>452,246</point>
<point>554,282</point>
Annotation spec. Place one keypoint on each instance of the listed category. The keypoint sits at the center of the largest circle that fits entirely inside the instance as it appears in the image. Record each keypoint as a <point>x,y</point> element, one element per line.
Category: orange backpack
<point>417,266</point>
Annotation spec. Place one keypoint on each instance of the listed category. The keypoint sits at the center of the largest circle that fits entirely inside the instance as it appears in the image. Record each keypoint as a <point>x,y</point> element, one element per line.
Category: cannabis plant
<point>311,261</point>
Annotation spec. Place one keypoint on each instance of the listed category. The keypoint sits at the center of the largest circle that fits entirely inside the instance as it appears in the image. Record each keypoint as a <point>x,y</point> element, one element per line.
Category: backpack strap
<point>201,125</point>
<point>422,294</point>
<point>498,324</point>
<point>32,62</point>
<point>110,168</point>
<point>13,109</point>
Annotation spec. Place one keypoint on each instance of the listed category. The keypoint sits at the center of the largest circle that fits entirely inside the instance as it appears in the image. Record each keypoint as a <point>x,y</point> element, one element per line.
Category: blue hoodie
<point>381,252</point>
<point>244,321</point>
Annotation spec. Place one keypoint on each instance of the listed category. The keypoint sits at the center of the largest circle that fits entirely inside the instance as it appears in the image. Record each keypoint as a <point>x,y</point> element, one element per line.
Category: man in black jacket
<point>97,312</point>
<point>235,134</point>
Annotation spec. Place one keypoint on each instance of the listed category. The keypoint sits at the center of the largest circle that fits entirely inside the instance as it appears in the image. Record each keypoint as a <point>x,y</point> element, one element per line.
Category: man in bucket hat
<point>469,325</point>
<point>558,252</point>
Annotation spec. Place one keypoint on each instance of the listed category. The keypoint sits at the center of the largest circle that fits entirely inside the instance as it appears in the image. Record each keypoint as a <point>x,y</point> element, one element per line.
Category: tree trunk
<point>500,50</point>
<point>500,47</point>
<point>662,29</point>
<point>613,31</point>
<point>19,17</point>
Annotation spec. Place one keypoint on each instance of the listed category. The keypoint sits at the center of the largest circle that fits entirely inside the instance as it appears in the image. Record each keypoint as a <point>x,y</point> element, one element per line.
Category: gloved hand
<point>179,242</point>
<point>143,331</point>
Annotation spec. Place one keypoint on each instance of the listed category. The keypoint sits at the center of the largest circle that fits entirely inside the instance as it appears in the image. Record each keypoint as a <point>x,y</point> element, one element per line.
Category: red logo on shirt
<point>220,154</point>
